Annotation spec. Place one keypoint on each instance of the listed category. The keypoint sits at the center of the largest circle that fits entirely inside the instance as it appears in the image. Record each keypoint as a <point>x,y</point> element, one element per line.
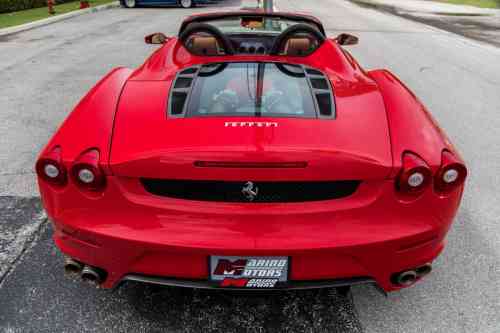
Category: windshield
<point>253,25</point>
<point>251,89</point>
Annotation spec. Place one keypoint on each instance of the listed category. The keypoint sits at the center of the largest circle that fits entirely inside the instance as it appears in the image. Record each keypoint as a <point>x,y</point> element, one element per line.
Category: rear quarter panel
<point>411,126</point>
<point>90,124</point>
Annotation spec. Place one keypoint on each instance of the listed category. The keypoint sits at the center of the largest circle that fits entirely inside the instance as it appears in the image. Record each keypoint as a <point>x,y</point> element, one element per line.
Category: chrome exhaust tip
<point>71,266</point>
<point>406,278</point>
<point>91,275</point>
<point>423,270</point>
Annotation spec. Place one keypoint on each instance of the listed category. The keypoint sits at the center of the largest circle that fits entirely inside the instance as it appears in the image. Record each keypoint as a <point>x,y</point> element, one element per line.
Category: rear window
<point>251,89</point>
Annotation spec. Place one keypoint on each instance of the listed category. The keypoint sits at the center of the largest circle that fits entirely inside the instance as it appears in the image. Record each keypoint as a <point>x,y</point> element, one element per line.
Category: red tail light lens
<point>451,174</point>
<point>415,175</point>
<point>51,169</point>
<point>86,171</point>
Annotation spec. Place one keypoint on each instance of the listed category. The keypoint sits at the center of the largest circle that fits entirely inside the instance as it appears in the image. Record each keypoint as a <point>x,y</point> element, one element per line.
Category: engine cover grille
<point>228,191</point>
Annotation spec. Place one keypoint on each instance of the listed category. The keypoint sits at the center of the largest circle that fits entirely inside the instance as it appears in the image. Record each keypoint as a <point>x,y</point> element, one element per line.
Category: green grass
<point>477,3</point>
<point>30,15</point>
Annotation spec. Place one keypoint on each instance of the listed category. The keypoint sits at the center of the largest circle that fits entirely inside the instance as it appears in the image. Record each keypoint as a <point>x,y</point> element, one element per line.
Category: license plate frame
<point>252,272</point>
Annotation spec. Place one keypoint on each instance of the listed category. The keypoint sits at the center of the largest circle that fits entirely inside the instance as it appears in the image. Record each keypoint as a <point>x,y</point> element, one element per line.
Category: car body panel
<point>412,127</point>
<point>94,116</point>
<point>162,144</point>
<point>168,147</point>
<point>369,234</point>
<point>375,232</point>
<point>166,2</point>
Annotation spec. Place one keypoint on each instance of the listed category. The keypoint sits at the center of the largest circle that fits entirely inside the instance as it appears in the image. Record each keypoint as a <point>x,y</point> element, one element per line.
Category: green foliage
<point>7,6</point>
<point>477,3</point>
<point>34,14</point>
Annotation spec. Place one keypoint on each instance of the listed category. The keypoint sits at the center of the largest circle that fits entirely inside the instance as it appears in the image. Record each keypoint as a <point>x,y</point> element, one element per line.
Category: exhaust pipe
<point>91,275</point>
<point>71,266</point>
<point>423,270</point>
<point>406,278</point>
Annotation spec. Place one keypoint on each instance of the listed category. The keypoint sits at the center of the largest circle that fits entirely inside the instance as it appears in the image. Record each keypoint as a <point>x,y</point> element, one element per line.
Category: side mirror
<point>346,39</point>
<point>156,38</point>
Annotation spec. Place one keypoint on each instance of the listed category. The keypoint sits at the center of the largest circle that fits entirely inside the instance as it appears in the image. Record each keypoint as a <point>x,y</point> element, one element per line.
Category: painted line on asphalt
<point>21,220</point>
<point>37,296</point>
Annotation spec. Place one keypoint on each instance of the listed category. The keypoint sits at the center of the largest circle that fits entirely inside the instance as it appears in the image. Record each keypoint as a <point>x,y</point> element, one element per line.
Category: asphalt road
<point>37,298</point>
<point>473,22</point>
<point>44,72</point>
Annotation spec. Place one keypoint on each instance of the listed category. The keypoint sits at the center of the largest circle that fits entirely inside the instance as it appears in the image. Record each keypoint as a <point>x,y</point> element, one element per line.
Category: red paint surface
<point>374,232</point>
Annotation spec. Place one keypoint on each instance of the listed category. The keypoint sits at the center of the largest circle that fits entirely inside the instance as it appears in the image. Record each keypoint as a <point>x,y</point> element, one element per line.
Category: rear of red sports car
<point>237,173</point>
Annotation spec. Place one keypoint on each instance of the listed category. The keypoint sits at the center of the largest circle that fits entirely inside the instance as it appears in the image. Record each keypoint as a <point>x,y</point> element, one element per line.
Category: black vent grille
<point>222,191</point>
<point>323,93</point>
<point>180,91</point>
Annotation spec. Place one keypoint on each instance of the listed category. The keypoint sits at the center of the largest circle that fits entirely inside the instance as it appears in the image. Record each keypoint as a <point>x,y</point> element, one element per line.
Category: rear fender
<point>90,124</point>
<point>411,126</point>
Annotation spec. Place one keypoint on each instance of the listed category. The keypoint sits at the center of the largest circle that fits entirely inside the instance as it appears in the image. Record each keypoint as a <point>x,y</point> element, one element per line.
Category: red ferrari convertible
<point>251,151</point>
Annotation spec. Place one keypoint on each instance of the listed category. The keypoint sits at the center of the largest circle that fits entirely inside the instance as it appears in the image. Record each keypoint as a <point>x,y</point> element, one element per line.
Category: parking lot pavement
<point>478,23</point>
<point>44,72</point>
<point>20,220</point>
<point>37,297</point>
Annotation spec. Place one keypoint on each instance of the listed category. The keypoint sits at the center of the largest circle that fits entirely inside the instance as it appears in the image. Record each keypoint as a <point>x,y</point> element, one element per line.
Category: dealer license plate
<point>248,272</point>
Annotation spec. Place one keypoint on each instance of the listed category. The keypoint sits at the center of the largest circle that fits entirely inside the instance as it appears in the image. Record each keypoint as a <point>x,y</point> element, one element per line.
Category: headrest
<point>207,46</point>
<point>297,47</point>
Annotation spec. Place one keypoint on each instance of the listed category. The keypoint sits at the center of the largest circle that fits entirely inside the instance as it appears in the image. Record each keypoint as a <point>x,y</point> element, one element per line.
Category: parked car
<point>251,151</point>
<point>181,3</point>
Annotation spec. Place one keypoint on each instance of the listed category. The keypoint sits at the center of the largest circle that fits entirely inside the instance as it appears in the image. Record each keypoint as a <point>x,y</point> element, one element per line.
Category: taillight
<point>415,175</point>
<point>86,172</point>
<point>51,169</point>
<point>451,174</point>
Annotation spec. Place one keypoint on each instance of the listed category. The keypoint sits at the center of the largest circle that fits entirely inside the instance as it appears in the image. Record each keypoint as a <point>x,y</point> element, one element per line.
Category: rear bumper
<point>130,233</point>
<point>205,284</point>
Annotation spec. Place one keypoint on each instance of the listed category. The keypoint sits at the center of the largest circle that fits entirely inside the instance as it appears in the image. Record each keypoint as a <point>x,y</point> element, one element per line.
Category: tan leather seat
<point>207,46</point>
<point>297,47</point>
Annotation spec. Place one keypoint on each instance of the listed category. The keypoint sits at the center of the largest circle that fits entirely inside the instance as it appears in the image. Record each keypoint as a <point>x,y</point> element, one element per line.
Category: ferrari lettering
<point>250,124</point>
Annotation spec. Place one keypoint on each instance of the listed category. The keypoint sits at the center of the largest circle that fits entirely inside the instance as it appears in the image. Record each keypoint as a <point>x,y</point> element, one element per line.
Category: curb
<point>57,18</point>
<point>458,10</point>
<point>429,23</point>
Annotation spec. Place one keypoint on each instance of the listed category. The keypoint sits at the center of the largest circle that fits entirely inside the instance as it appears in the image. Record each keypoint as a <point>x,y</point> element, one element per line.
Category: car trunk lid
<point>146,144</point>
